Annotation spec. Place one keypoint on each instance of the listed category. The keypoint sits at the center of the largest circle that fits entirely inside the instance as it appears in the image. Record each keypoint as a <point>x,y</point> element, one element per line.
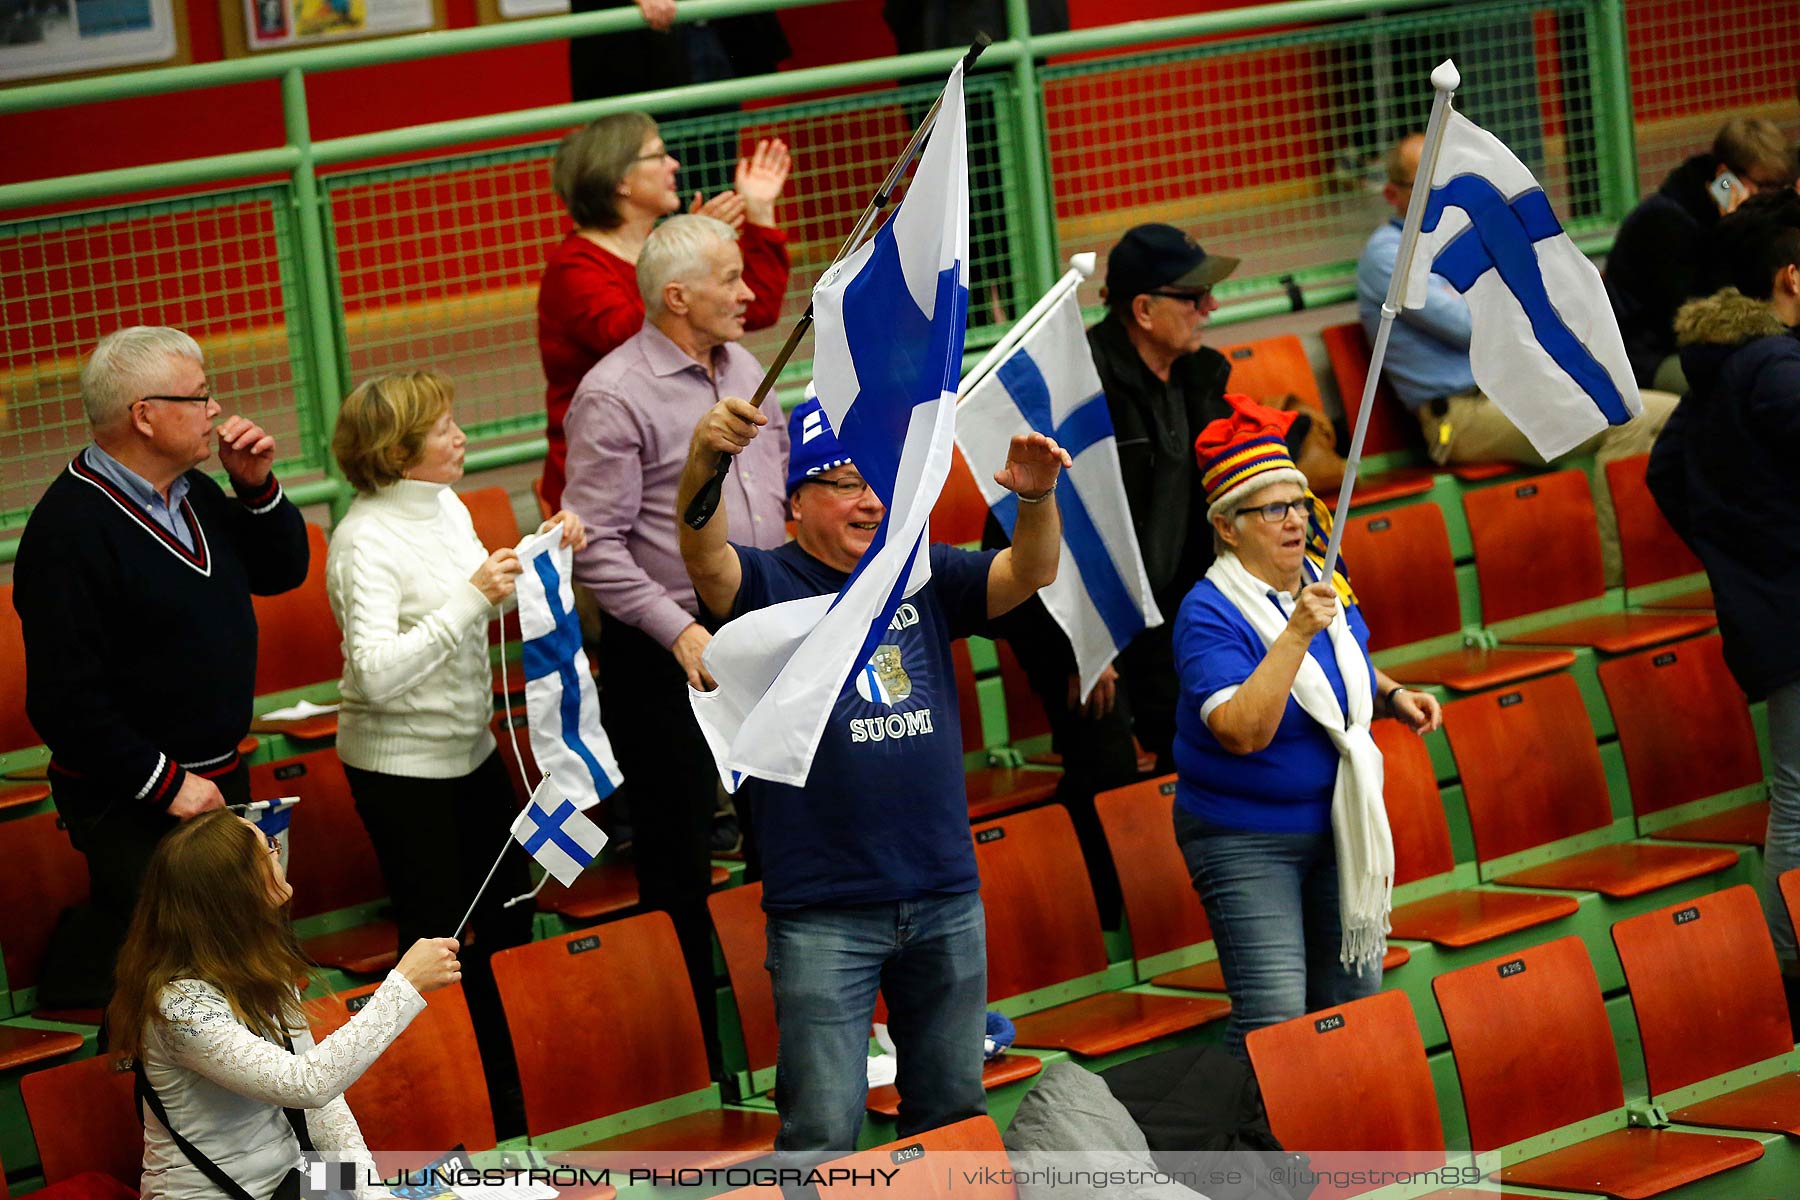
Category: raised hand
<point>1033,462</point>
<point>728,207</point>
<point>761,178</point>
<point>245,451</point>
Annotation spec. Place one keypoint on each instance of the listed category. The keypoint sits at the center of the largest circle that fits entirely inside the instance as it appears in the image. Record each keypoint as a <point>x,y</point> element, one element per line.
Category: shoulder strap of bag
<point>295,1117</point>
<point>206,1166</point>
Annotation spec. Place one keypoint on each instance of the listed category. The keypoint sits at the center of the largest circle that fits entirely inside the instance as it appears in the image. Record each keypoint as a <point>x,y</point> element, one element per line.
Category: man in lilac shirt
<point>628,428</point>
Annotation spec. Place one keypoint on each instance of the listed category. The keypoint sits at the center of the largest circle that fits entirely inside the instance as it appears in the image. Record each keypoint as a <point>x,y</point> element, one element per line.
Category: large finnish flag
<point>888,352</point>
<point>1545,345</point>
<point>562,708</point>
<point>1101,596</point>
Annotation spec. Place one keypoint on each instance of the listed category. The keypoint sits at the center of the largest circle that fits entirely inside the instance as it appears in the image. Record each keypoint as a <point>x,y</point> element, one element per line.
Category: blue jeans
<point>1782,849</point>
<point>1272,900</point>
<point>929,958</point>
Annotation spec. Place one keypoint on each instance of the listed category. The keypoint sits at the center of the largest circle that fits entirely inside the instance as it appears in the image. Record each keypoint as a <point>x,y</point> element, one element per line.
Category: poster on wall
<point>63,37</point>
<point>273,24</point>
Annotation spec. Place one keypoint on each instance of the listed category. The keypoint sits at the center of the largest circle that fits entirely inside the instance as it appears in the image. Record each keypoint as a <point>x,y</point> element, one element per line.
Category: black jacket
<point>1660,260</point>
<point>1723,471</point>
<point>952,24</point>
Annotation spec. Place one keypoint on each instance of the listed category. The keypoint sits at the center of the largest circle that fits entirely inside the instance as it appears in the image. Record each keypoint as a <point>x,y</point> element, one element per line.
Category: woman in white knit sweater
<point>413,589</point>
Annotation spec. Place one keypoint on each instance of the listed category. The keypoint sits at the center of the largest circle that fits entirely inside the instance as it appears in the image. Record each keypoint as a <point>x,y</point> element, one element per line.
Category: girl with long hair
<point>231,1085</point>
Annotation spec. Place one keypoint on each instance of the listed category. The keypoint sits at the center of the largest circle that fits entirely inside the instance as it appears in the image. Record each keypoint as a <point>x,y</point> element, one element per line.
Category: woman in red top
<point>617,180</point>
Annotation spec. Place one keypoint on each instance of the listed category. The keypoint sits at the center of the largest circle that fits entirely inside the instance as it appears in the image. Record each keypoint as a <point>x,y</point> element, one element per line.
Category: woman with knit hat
<point>1278,804</point>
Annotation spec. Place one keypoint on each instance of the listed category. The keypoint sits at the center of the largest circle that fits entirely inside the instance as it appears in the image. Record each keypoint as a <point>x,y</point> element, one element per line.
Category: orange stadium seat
<point>738,920</point>
<point>1707,992</point>
<point>1405,577</point>
<point>1649,549</point>
<point>298,643</point>
<point>1534,1053</point>
<point>921,1171</point>
<point>41,874</point>
<point>84,1118</point>
<point>960,514</point>
<point>537,494</point>
<point>331,862</point>
<point>1537,549</point>
<point>1453,916</point>
<point>491,511</point>
<point>1672,759</point>
<point>603,1022</point>
<point>1271,369</point>
<point>991,790</point>
<point>16,732</point>
<point>426,1092</point>
<point>1520,800</point>
<point>1790,894</point>
<point>1043,929</point>
<point>1357,1077</point>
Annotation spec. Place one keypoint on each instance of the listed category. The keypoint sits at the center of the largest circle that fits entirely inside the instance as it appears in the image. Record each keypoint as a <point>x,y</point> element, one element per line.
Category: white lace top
<point>224,1088</point>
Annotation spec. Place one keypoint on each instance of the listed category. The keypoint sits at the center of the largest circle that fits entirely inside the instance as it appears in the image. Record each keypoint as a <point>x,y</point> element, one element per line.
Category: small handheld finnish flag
<point>272,817</point>
<point>554,832</point>
<point>1544,344</point>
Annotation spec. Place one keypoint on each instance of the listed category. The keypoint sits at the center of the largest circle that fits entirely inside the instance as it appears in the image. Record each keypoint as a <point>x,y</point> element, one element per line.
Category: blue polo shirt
<point>884,814</point>
<point>1286,786</point>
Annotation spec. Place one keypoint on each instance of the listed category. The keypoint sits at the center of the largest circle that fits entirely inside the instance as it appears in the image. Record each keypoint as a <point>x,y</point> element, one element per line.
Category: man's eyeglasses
<point>1196,299</point>
<point>1277,512</point>
<point>204,398</point>
<point>849,488</point>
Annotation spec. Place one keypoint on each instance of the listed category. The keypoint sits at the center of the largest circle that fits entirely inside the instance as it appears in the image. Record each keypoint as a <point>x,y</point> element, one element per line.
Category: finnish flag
<point>561,703</point>
<point>555,833</point>
<point>1544,344</point>
<point>888,351</point>
<point>272,818</point>
<point>1101,597</point>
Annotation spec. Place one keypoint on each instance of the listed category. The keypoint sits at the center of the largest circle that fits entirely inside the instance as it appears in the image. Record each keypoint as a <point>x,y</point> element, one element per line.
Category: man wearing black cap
<point>1162,387</point>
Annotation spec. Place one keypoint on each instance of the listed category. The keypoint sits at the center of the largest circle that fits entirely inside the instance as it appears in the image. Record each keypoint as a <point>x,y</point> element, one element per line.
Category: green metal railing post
<point>1617,149</point>
<point>321,323</point>
<point>1043,255</point>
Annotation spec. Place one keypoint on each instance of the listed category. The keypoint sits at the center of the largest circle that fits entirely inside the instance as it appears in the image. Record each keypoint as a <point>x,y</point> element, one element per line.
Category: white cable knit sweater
<point>417,688</point>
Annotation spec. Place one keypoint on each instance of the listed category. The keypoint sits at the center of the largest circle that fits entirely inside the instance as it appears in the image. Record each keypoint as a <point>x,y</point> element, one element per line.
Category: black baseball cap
<point>1152,257</point>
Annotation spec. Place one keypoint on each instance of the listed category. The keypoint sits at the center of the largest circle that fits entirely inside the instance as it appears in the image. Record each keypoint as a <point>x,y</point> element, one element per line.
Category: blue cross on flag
<point>887,356</point>
<point>1544,343</point>
<point>272,818</point>
<point>1101,597</point>
<point>555,833</point>
<point>561,704</point>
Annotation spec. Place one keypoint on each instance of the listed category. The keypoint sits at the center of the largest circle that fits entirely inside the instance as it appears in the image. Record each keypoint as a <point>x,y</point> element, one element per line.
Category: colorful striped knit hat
<point>1244,453</point>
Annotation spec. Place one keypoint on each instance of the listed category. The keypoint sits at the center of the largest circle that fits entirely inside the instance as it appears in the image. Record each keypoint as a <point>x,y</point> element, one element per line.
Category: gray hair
<point>675,252</point>
<point>128,363</point>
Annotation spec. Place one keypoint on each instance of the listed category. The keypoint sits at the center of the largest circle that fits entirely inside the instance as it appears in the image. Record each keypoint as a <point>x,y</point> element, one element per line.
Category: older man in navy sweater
<point>133,585</point>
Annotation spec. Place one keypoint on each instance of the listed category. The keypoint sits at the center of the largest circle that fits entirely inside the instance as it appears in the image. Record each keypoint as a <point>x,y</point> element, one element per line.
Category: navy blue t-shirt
<point>884,815</point>
<point>1286,786</point>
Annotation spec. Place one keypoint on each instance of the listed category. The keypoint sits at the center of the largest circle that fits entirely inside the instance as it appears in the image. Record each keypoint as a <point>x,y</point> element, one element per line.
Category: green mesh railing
<point>303,267</point>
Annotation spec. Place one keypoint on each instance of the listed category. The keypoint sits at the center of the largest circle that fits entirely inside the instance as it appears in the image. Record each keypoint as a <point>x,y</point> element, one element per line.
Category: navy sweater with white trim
<point>140,656</point>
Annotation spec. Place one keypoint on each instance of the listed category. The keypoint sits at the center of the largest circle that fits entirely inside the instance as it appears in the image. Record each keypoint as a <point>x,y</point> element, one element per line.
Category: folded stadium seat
<point>1790,893</point>
<point>1354,1076</point>
<point>16,732</point>
<point>41,874</point>
<point>298,644</point>
<point>84,1117</point>
<point>1391,427</point>
<point>426,1092</point>
<point>738,920</point>
<point>1707,992</point>
<point>537,494</point>
<point>90,1185</point>
<point>994,789</point>
<point>1652,553</point>
<point>964,1161</point>
<point>609,886</point>
<point>497,525</point>
<point>1537,558</point>
<point>1405,578</point>
<point>1534,1055</point>
<point>1162,910</point>
<point>960,514</point>
<point>1533,782</point>
<point>610,1053</point>
<point>1677,766</point>
<point>331,862</point>
<point>1043,931</point>
<point>1428,906</point>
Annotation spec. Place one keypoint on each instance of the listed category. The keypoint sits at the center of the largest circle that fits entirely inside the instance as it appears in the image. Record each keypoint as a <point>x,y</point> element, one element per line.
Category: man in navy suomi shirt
<point>869,880</point>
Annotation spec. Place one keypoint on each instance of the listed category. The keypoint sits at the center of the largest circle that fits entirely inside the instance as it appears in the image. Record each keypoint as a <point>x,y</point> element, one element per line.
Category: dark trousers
<point>436,840</point>
<point>117,837</point>
<point>1147,675</point>
<point>670,790</point>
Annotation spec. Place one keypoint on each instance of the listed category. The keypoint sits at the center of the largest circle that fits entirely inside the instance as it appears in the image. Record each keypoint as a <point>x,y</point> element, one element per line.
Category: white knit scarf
<point>1359,825</point>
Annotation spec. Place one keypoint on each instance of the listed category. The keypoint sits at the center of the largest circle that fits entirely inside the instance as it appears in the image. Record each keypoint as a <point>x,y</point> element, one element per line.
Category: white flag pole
<point>1446,80</point>
<point>490,878</point>
<point>1081,267</point>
